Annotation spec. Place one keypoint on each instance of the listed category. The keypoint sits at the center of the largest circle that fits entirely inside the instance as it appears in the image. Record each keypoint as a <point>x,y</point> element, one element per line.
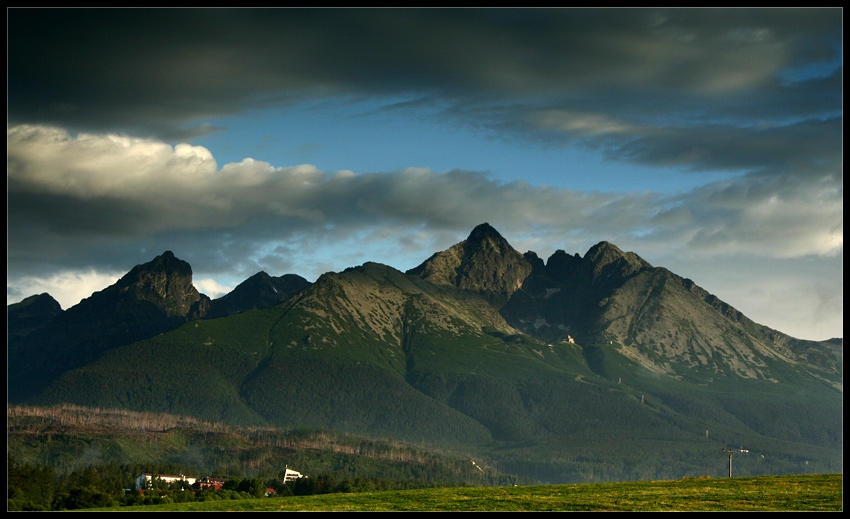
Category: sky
<point>305,141</point>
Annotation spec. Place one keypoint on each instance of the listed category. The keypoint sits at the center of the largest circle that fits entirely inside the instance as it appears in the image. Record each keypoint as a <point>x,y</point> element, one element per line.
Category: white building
<point>292,475</point>
<point>146,480</point>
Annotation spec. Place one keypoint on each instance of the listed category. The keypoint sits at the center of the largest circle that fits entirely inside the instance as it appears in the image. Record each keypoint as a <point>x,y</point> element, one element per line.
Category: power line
<point>731,452</point>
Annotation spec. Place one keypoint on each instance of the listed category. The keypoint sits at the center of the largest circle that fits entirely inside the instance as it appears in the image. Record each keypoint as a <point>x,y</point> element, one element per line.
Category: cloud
<point>582,124</point>
<point>161,73</point>
<point>67,287</point>
<point>804,148</point>
<point>102,173</point>
<point>772,217</point>
<point>212,288</point>
<point>76,191</point>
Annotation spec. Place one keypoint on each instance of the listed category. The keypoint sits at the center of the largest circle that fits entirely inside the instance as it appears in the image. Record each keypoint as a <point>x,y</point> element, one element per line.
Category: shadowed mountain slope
<point>484,263</point>
<point>30,315</point>
<point>150,299</point>
<point>616,303</point>
<point>576,369</point>
<point>259,291</point>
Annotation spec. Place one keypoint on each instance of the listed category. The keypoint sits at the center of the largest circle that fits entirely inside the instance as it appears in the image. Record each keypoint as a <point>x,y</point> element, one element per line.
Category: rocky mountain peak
<point>165,281</point>
<point>608,260</point>
<point>485,240</point>
<point>37,303</point>
<point>560,264</point>
<point>152,298</point>
<point>258,291</point>
<point>31,314</point>
<point>485,263</point>
<point>603,253</point>
<point>485,232</point>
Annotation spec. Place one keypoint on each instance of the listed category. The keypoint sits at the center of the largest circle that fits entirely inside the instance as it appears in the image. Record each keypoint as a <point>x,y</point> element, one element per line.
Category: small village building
<point>292,475</point>
<point>146,480</point>
<point>208,482</point>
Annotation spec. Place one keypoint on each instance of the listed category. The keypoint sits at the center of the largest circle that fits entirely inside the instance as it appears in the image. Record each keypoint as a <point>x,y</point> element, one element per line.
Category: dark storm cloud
<point>102,103</point>
<point>160,71</point>
<point>807,148</point>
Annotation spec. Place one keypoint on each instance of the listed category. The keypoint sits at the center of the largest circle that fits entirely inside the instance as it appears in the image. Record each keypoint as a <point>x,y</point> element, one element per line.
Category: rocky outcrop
<point>614,301</point>
<point>258,292</point>
<point>484,263</point>
<point>165,282</point>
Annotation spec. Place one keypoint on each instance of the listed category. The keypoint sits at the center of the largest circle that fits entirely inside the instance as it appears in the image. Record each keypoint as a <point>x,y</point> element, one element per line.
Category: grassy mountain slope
<point>600,367</point>
<point>376,352</point>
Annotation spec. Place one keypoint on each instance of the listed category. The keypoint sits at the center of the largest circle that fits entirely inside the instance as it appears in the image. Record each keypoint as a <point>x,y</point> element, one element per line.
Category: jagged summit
<point>560,264</point>
<point>166,260</point>
<point>484,239</point>
<point>32,313</point>
<point>152,298</point>
<point>43,300</point>
<point>603,249</point>
<point>482,347</point>
<point>605,252</point>
<point>258,291</point>
<point>483,231</point>
<point>607,259</point>
<point>485,263</point>
<point>165,281</point>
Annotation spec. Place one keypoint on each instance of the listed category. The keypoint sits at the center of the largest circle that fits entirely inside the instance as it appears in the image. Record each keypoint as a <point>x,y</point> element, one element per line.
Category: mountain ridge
<point>258,291</point>
<point>479,347</point>
<point>553,300</point>
<point>151,298</point>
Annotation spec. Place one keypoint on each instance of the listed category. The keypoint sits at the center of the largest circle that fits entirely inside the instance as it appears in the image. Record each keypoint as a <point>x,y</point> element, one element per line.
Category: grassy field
<point>765,493</point>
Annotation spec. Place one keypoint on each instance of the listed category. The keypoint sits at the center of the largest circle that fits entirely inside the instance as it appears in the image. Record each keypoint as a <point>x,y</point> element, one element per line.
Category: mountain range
<point>579,368</point>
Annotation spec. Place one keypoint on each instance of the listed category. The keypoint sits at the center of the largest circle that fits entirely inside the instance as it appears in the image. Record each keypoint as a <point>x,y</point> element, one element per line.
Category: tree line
<point>40,488</point>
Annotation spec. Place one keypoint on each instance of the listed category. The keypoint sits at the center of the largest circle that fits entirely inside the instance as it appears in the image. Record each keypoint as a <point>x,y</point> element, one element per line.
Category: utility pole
<point>731,452</point>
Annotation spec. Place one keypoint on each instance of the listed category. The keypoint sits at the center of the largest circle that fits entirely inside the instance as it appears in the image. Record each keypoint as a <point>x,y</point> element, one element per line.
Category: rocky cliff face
<point>259,291</point>
<point>613,302</point>
<point>166,283</point>
<point>609,265</point>
<point>484,263</point>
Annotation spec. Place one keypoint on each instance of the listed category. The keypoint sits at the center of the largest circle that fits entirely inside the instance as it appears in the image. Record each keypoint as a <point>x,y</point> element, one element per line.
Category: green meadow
<point>819,492</point>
